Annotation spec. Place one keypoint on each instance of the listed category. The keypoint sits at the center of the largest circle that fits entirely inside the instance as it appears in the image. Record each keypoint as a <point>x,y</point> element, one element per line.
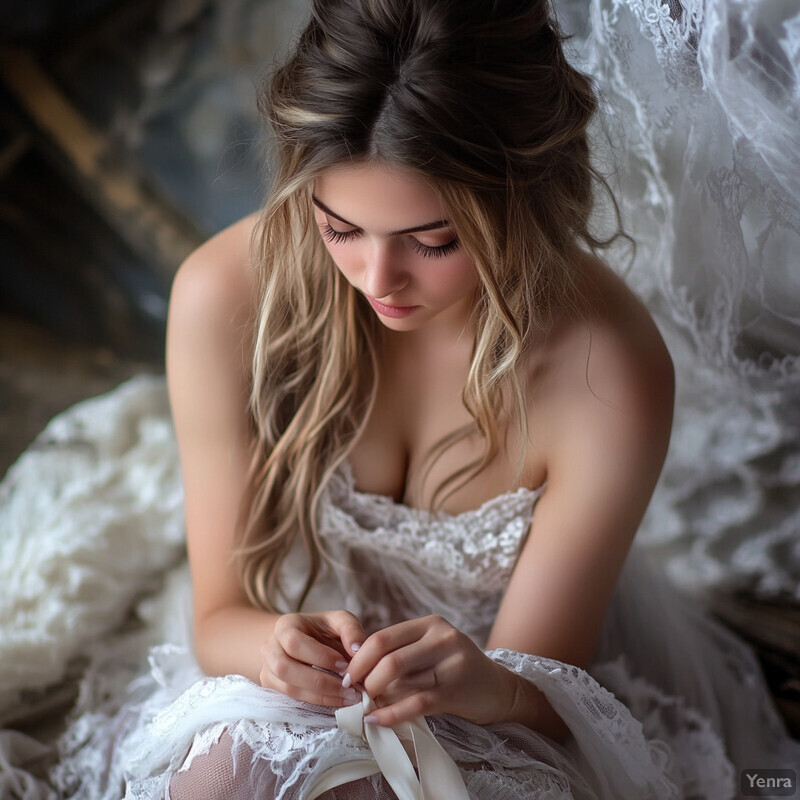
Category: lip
<point>391,311</point>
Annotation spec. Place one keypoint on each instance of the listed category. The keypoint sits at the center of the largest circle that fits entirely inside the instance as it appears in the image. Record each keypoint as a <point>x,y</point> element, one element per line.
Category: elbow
<point>210,630</point>
<point>203,649</point>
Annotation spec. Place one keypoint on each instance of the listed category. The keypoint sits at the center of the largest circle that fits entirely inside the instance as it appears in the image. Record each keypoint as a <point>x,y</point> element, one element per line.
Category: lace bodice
<point>391,562</point>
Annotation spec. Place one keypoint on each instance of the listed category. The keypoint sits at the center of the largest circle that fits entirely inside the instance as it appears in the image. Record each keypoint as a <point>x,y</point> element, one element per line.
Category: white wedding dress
<point>673,706</point>
<point>702,98</point>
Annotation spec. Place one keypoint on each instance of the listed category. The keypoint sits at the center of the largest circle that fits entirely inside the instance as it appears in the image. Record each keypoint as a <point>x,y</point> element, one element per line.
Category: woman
<point>419,423</point>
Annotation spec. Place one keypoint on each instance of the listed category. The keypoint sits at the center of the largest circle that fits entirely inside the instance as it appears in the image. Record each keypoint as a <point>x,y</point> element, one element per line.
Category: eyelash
<point>339,237</point>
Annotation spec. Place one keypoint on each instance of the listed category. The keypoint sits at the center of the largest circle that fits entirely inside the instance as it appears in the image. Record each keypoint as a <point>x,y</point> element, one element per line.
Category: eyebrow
<point>428,226</point>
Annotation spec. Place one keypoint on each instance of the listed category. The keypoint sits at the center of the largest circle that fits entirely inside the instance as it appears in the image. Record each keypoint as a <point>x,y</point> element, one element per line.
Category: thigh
<point>222,774</point>
<point>217,775</point>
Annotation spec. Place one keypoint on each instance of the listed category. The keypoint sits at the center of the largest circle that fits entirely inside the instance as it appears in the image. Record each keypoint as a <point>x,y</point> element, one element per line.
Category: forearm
<point>229,641</point>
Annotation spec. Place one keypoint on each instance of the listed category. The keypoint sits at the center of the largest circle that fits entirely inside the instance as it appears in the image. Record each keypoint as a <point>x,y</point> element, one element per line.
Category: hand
<point>426,666</point>
<point>307,653</point>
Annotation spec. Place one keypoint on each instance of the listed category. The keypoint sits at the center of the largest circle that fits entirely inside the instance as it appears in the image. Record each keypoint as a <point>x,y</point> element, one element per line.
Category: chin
<point>400,324</point>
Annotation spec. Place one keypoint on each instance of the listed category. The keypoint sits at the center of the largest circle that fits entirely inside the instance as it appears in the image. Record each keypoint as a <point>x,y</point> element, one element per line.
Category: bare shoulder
<point>610,363</point>
<point>209,330</point>
<point>219,272</point>
<point>211,303</point>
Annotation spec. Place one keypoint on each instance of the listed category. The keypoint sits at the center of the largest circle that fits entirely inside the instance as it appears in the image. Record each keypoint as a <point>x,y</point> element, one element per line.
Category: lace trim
<point>610,740</point>
<point>698,751</point>
<point>475,548</point>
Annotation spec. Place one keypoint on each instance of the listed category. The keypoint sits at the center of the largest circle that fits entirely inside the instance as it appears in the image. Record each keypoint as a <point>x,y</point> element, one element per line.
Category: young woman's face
<point>387,232</point>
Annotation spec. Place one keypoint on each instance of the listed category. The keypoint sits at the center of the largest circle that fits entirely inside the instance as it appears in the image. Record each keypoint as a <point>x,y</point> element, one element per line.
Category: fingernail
<point>351,696</point>
<point>346,681</point>
<point>371,719</point>
<point>355,647</point>
<point>341,666</point>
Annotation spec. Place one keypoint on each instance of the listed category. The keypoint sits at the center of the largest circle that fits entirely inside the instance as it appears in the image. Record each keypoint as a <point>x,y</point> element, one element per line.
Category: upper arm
<point>208,362</point>
<point>608,446</point>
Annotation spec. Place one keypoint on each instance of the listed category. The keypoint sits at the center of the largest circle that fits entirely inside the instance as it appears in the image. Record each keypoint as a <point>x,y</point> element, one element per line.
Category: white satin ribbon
<point>392,750</point>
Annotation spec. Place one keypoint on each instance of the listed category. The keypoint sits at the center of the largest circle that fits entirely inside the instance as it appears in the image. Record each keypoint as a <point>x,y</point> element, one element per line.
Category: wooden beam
<point>147,222</point>
<point>13,151</point>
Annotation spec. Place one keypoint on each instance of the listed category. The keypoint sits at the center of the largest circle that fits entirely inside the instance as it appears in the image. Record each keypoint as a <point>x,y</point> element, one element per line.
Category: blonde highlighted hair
<point>477,98</point>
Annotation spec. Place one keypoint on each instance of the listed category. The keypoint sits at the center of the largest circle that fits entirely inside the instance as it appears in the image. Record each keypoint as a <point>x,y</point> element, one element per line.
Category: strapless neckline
<point>388,502</point>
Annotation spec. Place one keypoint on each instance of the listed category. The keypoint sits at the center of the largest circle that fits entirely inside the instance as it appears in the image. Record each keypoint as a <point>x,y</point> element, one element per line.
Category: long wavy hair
<point>476,97</point>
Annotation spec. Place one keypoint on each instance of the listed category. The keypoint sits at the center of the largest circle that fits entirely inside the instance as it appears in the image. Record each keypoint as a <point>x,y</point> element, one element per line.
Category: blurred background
<point>129,134</point>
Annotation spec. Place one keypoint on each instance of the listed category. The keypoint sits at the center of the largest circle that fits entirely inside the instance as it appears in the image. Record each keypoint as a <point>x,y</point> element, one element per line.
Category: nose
<point>384,273</point>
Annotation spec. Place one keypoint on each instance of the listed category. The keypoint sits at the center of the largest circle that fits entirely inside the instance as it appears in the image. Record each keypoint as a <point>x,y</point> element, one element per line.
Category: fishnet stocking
<point>212,776</point>
<point>217,775</point>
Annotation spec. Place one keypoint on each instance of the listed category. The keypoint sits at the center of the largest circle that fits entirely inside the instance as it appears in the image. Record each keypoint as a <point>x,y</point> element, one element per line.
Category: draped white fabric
<point>702,104</point>
<point>90,516</point>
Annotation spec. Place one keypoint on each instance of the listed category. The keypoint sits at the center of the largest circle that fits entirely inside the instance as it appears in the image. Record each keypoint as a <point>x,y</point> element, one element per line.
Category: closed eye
<point>440,251</point>
<point>338,237</point>
<point>426,251</point>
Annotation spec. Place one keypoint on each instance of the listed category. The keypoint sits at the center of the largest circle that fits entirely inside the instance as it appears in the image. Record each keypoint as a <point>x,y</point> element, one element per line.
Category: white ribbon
<point>392,750</point>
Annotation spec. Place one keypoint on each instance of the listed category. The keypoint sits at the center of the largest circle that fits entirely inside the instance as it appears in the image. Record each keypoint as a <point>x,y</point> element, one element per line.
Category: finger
<point>348,630</point>
<point>379,644</point>
<point>280,668</point>
<point>307,683</point>
<point>419,704</point>
<point>410,666</point>
<point>302,647</point>
<point>343,698</point>
<point>424,680</point>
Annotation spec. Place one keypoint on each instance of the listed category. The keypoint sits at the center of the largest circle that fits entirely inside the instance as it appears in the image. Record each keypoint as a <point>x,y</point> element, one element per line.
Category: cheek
<point>343,259</point>
<point>457,276</point>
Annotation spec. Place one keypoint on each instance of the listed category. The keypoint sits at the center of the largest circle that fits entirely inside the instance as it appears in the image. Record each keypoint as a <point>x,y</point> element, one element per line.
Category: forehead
<point>378,198</point>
